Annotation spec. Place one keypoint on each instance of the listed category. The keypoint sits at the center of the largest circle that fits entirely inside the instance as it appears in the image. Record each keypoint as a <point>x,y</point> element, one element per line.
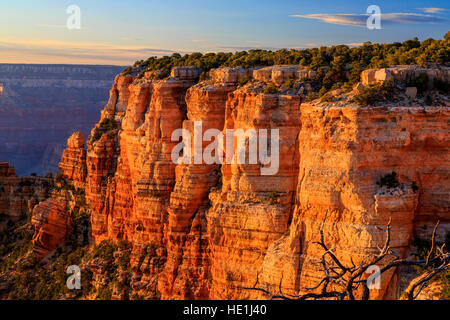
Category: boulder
<point>411,92</point>
<point>52,223</point>
<point>375,76</point>
<point>185,73</point>
<point>228,75</point>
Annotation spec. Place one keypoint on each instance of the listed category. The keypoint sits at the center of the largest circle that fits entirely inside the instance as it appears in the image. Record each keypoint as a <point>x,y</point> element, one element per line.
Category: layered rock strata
<point>73,162</point>
<point>208,231</point>
<point>405,73</point>
<point>51,220</point>
<point>344,151</point>
<point>18,195</point>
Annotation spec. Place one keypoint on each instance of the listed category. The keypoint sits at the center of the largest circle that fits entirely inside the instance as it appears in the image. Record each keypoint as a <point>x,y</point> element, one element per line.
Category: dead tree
<point>350,278</point>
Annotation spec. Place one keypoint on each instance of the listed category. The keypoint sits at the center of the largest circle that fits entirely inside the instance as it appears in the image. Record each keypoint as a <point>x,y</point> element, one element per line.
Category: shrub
<point>103,293</point>
<point>59,178</point>
<point>204,76</point>
<point>312,96</point>
<point>273,197</point>
<point>289,83</point>
<point>420,82</point>
<point>97,135</point>
<point>389,180</point>
<point>441,86</point>
<point>68,186</point>
<point>270,89</point>
<point>106,125</point>
<point>244,80</point>
<point>127,71</point>
<point>327,98</point>
<point>372,94</point>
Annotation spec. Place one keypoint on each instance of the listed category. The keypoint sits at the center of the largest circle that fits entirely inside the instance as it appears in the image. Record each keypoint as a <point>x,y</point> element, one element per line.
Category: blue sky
<point>120,32</point>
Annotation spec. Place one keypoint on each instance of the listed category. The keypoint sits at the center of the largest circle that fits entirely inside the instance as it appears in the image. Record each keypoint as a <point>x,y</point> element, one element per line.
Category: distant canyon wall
<point>40,107</point>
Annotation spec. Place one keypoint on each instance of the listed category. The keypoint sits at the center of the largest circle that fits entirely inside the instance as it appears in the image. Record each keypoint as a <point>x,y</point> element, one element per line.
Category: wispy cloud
<point>359,20</point>
<point>433,10</point>
<point>238,48</point>
<point>199,40</point>
<point>46,51</point>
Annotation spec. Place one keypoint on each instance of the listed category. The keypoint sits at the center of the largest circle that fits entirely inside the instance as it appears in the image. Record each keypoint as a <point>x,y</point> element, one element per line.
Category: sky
<point>117,32</point>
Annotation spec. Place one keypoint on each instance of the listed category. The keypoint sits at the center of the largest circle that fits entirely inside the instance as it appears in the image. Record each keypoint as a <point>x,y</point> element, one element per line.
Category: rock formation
<point>18,195</point>
<point>73,162</point>
<point>279,74</point>
<point>404,73</point>
<point>206,231</point>
<point>52,223</point>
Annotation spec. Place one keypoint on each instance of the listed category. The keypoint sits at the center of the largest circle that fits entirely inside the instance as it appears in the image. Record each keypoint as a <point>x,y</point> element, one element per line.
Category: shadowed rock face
<point>40,107</point>
<point>206,231</point>
<point>18,195</point>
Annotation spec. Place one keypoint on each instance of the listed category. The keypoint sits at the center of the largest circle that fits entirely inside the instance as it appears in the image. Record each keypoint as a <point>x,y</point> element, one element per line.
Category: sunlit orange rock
<point>73,162</point>
<point>207,231</point>
<point>52,224</point>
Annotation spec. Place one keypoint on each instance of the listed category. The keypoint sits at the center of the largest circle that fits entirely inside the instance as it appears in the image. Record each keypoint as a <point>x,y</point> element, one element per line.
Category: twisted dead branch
<point>349,278</point>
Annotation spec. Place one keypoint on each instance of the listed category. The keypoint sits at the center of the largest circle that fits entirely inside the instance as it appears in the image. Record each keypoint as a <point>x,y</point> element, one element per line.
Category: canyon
<point>40,105</point>
<point>212,231</point>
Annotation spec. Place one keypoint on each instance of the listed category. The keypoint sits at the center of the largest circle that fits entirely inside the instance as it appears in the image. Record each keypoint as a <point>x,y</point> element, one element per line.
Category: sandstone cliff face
<point>73,162</point>
<point>52,223</point>
<point>343,152</point>
<point>186,272</point>
<point>18,195</point>
<point>203,231</point>
<point>251,211</point>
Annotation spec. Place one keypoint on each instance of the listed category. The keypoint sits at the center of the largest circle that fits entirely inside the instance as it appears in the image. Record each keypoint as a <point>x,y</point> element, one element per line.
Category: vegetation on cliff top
<point>336,65</point>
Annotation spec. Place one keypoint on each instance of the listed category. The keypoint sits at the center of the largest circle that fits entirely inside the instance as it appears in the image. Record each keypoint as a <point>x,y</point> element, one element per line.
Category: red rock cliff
<point>206,231</point>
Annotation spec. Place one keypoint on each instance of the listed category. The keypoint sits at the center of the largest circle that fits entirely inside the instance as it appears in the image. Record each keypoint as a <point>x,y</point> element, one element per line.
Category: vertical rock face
<point>154,179</point>
<point>209,230</point>
<point>343,153</point>
<point>52,223</point>
<point>251,211</point>
<point>18,195</point>
<point>73,162</point>
<point>131,174</point>
<point>186,271</point>
<point>101,159</point>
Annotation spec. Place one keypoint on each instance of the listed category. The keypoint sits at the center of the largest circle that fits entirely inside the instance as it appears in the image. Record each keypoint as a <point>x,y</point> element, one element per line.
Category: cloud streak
<point>49,51</point>
<point>359,20</point>
<point>433,10</point>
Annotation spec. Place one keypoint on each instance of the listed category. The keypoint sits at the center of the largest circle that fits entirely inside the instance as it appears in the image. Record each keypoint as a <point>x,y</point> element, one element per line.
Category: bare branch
<point>349,279</point>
